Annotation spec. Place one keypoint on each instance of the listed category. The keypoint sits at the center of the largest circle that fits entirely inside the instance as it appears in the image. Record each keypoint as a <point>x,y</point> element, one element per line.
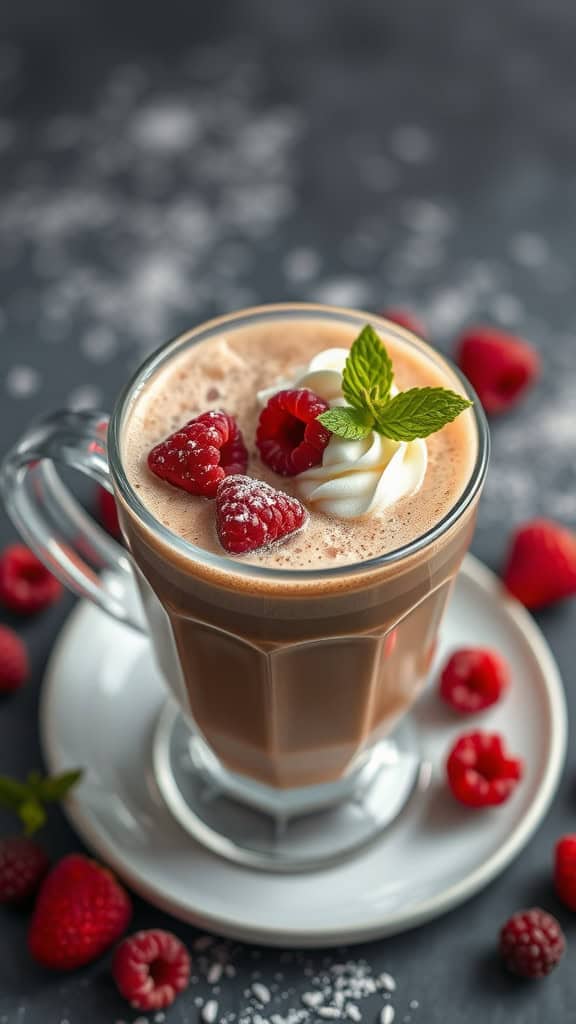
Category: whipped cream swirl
<point>355,478</point>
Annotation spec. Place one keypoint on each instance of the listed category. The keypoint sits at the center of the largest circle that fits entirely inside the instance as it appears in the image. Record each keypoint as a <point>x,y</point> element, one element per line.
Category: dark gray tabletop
<point>158,166</point>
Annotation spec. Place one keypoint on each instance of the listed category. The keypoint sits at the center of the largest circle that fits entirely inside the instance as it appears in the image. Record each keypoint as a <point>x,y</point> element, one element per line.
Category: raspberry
<point>23,864</point>
<point>404,318</point>
<point>80,911</point>
<point>499,366</point>
<point>565,870</point>
<point>151,968</point>
<point>532,943</point>
<point>26,585</point>
<point>200,454</point>
<point>480,771</point>
<point>473,679</point>
<point>250,514</point>
<point>541,564</point>
<point>14,668</point>
<point>108,513</point>
<point>289,437</point>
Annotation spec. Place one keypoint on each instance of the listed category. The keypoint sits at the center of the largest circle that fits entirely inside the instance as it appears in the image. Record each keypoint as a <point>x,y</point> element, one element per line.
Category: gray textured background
<point>157,167</point>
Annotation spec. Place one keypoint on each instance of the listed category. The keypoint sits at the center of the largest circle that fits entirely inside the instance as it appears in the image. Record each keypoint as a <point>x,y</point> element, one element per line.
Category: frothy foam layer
<point>227,372</point>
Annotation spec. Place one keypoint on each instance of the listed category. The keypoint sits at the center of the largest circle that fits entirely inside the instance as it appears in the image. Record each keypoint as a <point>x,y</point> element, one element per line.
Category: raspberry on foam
<point>532,943</point>
<point>14,665</point>
<point>251,515</point>
<point>289,437</point>
<point>499,366</point>
<point>200,454</point>
<point>480,771</point>
<point>473,679</point>
<point>26,585</point>
<point>151,968</point>
<point>541,563</point>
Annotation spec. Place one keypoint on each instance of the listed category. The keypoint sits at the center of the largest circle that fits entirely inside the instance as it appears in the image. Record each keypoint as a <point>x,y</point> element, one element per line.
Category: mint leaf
<point>368,373</point>
<point>32,815</point>
<point>27,799</point>
<point>352,424</point>
<point>419,412</point>
<point>58,786</point>
<point>12,793</point>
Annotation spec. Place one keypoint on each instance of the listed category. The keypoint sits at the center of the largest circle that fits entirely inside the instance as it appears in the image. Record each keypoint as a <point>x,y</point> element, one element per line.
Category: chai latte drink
<point>293,660</point>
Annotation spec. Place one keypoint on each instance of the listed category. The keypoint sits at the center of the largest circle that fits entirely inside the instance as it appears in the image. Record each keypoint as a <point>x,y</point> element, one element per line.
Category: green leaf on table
<point>27,799</point>
<point>32,815</point>
<point>12,793</point>
<point>56,787</point>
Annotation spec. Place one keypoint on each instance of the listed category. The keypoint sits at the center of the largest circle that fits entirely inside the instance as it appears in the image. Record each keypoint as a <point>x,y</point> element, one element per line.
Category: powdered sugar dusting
<point>412,143</point>
<point>336,989</point>
<point>533,470</point>
<point>251,515</point>
<point>139,199</point>
<point>22,381</point>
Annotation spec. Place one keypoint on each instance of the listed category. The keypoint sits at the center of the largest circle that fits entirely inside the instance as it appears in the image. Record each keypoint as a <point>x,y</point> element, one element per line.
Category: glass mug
<point>286,685</point>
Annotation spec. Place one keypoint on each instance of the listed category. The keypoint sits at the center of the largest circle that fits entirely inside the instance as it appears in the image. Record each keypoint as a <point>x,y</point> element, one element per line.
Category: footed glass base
<point>282,830</point>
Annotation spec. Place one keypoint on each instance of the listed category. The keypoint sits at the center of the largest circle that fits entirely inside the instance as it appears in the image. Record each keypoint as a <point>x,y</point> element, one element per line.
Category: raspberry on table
<point>289,437</point>
<point>473,678</point>
<point>26,585</point>
<point>404,318</point>
<point>251,515</point>
<point>80,911</point>
<point>532,943</point>
<point>23,864</point>
<point>500,366</point>
<point>151,968</point>
<point>200,454</point>
<point>541,564</point>
<point>565,870</point>
<point>480,771</point>
<point>14,666</point>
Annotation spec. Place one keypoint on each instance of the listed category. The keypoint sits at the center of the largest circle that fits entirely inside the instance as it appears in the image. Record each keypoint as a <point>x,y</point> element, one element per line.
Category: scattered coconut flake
<point>209,1011</point>
<point>353,1012</point>
<point>22,381</point>
<point>530,250</point>
<point>261,992</point>
<point>301,265</point>
<point>412,144</point>
<point>215,973</point>
<point>312,999</point>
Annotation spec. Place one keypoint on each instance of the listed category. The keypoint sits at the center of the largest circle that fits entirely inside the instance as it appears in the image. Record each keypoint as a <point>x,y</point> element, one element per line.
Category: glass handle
<point>69,542</point>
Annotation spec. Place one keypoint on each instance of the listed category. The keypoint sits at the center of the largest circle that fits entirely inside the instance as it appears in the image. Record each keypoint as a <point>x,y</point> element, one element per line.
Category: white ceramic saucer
<point>100,706</point>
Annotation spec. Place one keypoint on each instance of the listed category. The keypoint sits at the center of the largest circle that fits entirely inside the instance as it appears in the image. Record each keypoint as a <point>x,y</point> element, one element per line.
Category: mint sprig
<point>366,384</point>
<point>352,424</point>
<point>419,412</point>
<point>28,799</point>
<point>368,373</point>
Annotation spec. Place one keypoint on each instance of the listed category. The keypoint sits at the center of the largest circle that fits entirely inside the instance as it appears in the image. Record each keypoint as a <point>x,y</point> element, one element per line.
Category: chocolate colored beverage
<point>293,661</point>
